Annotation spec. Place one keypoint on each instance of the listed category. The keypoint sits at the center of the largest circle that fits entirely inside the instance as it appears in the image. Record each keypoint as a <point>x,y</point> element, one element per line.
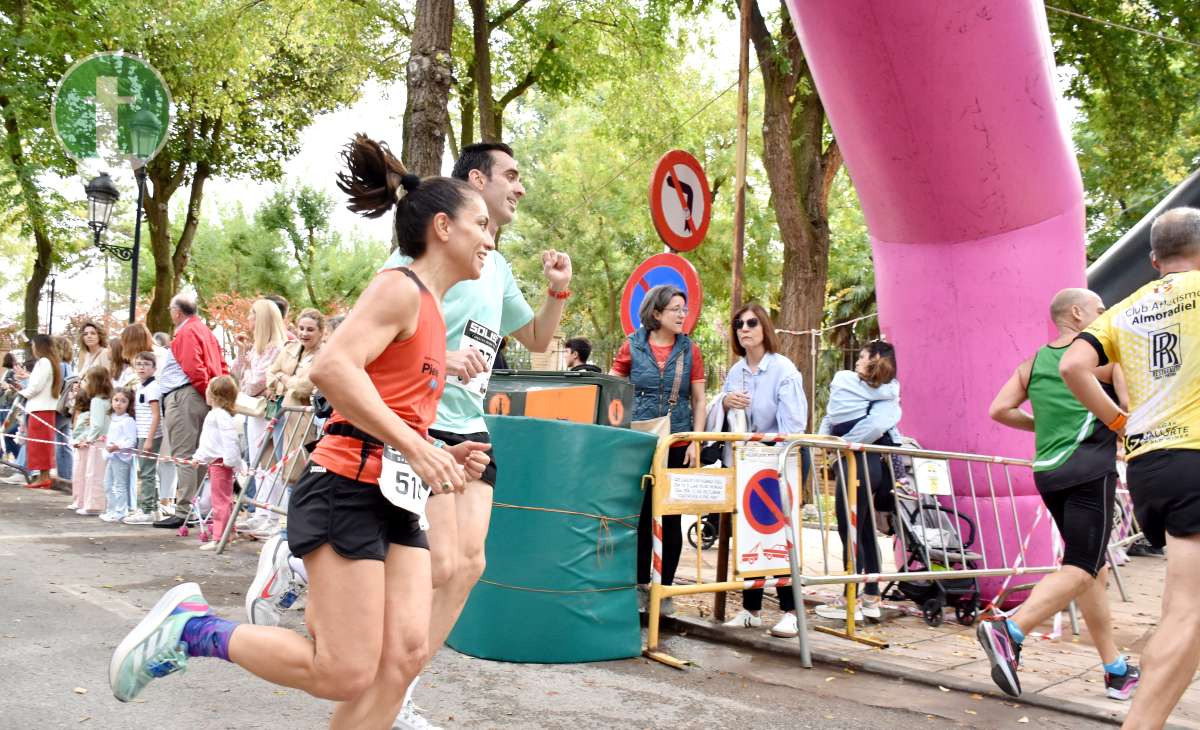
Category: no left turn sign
<point>680,201</point>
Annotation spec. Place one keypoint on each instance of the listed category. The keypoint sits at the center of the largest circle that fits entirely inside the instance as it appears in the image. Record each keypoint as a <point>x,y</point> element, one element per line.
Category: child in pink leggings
<point>220,450</point>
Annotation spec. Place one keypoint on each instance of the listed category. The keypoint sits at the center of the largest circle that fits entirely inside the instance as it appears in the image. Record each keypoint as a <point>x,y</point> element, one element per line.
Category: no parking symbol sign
<point>760,541</point>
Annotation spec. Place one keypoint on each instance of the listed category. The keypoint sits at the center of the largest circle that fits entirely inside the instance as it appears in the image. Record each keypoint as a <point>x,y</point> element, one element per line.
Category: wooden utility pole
<point>739,189</point>
<point>739,243</point>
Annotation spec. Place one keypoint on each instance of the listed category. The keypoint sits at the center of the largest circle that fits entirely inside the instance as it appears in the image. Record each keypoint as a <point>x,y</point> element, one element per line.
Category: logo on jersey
<point>1164,352</point>
<point>429,367</point>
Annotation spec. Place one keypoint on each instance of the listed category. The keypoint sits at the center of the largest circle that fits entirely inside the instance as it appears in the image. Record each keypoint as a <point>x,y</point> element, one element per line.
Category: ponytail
<point>375,180</point>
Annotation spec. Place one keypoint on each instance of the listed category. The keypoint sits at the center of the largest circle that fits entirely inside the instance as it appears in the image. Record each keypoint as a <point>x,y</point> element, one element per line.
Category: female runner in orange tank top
<point>358,531</point>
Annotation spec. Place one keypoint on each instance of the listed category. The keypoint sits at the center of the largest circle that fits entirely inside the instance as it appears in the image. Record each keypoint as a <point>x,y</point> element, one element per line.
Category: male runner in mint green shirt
<point>478,314</point>
<point>1075,472</point>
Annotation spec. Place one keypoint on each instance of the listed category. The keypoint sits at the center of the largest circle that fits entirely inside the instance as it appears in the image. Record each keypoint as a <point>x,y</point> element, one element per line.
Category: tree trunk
<point>466,104</point>
<point>430,73</point>
<point>35,210</point>
<point>170,259</point>
<point>793,122</point>
<point>481,72</point>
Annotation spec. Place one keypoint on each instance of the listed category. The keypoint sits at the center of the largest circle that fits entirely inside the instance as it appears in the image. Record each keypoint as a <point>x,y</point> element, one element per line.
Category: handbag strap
<point>678,379</point>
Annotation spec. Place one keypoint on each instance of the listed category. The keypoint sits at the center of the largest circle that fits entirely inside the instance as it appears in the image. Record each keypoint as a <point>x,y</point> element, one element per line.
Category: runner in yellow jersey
<point>1155,336</point>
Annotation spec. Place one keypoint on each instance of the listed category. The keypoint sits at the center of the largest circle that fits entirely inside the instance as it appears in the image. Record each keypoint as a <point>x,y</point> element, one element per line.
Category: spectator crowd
<point>135,421</point>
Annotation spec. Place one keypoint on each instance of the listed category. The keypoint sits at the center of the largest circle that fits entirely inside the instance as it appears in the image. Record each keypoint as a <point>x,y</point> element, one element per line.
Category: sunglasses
<point>749,323</point>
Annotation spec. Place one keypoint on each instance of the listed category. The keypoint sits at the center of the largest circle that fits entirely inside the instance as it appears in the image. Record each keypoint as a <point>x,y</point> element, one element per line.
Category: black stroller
<point>932,541</point>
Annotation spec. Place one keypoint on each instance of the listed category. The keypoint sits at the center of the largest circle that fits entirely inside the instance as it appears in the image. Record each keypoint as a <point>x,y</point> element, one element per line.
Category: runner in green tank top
<point>1075,473</point>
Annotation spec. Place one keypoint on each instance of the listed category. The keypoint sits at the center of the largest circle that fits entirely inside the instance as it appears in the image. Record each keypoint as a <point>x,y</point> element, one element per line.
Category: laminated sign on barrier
<point>759,540</point>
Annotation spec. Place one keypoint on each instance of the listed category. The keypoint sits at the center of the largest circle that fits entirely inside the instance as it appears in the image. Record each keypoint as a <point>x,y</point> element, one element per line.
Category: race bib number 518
<point>401,485</point>
<point>486,342</point>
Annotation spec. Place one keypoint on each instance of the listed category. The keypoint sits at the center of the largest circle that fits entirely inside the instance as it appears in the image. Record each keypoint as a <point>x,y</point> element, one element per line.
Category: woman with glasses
<point>770,390</point>
<point>667,373</point>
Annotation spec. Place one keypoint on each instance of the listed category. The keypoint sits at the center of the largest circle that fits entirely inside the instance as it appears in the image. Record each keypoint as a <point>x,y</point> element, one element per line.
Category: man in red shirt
<point>193,361</point>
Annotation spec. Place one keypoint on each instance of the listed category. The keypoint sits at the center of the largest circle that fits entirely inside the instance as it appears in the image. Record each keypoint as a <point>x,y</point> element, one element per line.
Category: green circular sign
<point>112,106</point>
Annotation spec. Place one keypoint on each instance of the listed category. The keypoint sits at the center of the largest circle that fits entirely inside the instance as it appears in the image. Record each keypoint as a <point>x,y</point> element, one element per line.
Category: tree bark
<point>797,169</point>
<point>430,74</point>
<point>35,210</point>
<point>481,71</point>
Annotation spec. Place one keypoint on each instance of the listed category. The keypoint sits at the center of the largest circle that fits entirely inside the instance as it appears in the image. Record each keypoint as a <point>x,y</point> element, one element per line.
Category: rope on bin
<point>556,590</point>
<point>603,542</point>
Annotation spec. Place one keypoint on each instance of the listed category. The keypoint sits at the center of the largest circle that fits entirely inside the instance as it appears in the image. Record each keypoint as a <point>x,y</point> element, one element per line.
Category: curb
<point>706,630</point>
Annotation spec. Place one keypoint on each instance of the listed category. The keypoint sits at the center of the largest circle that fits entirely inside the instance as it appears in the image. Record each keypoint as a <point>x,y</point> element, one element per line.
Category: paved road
<point>71,586</point>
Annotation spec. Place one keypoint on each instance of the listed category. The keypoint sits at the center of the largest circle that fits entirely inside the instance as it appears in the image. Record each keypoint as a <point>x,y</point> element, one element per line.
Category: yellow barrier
<point>693,490</point>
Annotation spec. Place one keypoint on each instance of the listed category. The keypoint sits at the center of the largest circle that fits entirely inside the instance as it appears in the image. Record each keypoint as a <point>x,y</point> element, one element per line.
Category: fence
<point>952,528</point>
<point>279,458</point>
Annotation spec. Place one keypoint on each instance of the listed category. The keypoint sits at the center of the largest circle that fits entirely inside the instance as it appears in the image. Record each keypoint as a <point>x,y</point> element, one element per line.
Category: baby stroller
<point>931,541</point>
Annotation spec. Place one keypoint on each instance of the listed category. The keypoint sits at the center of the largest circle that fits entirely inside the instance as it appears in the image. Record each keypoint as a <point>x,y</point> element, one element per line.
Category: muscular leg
<point>405,635</point>
<point>473,512</point>
<point>1051,595</point>
<point>345,618</point>
<point>442,514</point>
<point>1171,658</point>
<point>1093,604</point>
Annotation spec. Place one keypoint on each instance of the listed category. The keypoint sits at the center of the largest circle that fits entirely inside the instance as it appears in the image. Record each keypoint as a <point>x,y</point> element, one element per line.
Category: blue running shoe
<point>154,649</point>
<point>1003,653</point>
<point>1121,686</point>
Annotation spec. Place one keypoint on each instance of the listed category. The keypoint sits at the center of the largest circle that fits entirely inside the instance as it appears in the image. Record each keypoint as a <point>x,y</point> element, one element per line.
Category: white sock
<point>297,566</point>
<point>409,692</point>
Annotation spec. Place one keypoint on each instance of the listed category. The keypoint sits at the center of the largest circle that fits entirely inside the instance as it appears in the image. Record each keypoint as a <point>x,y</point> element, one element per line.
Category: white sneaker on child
<point>141,518</point>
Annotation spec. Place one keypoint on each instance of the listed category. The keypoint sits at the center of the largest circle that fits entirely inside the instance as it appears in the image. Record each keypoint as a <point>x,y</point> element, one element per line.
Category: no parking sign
<point>663,268</point>
<point>760,541</point>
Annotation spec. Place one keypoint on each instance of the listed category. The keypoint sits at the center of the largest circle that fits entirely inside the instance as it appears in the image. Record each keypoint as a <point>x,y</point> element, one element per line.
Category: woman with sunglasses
<point>770,390</point>
<point>667,373</point>
<point>864,408</point>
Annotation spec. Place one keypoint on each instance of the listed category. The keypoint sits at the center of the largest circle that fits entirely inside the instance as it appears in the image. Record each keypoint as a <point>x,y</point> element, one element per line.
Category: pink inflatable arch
<point>946,115</point>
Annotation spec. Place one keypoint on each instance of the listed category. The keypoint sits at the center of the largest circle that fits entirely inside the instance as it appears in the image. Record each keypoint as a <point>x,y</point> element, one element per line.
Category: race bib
<point>401,485</point>
<point>486,342</point>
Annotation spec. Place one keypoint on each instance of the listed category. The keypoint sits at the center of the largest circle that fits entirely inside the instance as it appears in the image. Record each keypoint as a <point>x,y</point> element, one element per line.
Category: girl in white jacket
<point>219,448</point>
<point>121,438</point>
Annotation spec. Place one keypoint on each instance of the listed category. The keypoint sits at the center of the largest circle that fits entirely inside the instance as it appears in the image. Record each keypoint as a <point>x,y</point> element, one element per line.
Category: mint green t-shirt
<point>478,313</point>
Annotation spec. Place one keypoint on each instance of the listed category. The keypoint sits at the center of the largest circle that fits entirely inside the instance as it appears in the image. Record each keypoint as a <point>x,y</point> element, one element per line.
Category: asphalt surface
<point>71,586</point>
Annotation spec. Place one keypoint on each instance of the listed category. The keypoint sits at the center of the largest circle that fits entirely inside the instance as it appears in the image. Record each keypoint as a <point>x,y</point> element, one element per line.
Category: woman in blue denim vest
<point>654,358</point>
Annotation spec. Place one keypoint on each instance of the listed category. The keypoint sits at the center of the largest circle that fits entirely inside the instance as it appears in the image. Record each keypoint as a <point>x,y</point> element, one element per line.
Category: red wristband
<point>558,294</point>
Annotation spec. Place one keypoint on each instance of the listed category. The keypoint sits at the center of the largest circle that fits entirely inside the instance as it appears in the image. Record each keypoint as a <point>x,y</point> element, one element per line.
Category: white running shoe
<point>210,545</point>
<point>744,620</point>
<point>787,627</point>
<point>275,585</point>
<point>667,607</point>
<point>410,715</point>
<point>872,609</point>
<point>111,517</point>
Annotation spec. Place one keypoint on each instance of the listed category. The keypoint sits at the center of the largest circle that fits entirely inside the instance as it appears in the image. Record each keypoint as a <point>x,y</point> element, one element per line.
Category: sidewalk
<point>1063,673</point>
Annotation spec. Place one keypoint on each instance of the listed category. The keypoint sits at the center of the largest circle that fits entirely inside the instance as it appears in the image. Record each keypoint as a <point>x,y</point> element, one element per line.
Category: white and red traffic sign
<point>759,539</point>
<point>680,201</point>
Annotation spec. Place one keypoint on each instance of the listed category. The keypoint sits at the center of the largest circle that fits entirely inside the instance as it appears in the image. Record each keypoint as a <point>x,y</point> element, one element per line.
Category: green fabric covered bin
<point>559,586</point>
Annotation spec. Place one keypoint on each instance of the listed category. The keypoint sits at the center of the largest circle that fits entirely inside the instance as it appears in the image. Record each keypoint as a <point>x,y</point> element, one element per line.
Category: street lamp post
<point>144,128</point>
<point>102,194</point>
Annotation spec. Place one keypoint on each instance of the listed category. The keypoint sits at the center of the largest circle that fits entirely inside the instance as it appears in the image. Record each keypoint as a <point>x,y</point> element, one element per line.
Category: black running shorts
<point>452,439</point>
<point>1084,515</point>
<point>1165,486</point>
<point>354,518</point>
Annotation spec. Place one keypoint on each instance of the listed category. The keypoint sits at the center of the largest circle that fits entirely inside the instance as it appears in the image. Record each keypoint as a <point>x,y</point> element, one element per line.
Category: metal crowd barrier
<point>272,467</point>
<point>930,520</point>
